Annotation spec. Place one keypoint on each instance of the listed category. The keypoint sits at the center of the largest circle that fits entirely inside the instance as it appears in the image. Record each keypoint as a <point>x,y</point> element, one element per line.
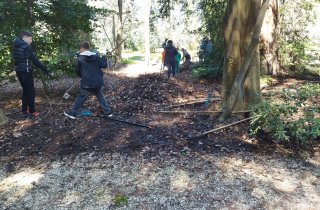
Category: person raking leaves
<point>88,67</point>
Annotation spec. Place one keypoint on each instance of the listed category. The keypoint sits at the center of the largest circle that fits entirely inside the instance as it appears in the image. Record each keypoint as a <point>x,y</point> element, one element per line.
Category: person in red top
<point>163,54</point>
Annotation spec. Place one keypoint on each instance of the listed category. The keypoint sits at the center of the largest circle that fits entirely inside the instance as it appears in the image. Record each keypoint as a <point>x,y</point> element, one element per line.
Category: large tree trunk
<point>3,118</point>
<point>270,62</point>
<point>241,86</point>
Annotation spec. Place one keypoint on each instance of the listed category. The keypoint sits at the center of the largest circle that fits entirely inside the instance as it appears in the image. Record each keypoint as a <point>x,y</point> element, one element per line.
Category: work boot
<point>70,114</point>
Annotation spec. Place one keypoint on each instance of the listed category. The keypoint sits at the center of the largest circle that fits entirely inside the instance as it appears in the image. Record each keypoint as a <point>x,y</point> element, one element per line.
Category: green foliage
<point>294,18</point>
<point>120,200</point>
<point>56,26</point>
<point>207,72</point>
<point>294,117</point>
<point>127,61</point>
<point>212,14</point>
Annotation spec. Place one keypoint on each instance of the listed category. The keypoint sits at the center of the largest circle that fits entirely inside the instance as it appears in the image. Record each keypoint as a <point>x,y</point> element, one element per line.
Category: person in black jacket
<point>169,59</point>
<point>88,68</point>
<point>24,57</point>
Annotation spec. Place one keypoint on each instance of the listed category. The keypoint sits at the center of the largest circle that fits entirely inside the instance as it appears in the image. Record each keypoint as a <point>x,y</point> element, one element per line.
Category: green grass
<point>265,79</point>
<point>136,58</point>
<point>120,200</point>
<point>127,61</point>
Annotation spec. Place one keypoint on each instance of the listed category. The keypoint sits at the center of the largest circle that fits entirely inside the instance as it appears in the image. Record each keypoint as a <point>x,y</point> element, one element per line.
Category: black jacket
<point>24,57</point>
<point>89,69</point>
<point>170,53</point>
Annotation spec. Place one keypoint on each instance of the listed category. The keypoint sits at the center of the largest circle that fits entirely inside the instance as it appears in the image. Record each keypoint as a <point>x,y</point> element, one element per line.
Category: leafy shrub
<point>207,72</point>
<point>295,117</point>
<point>294,41</point>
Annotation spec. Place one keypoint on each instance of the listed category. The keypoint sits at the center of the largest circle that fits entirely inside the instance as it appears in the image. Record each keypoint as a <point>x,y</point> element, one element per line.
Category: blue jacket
<point>24,57</point>
<point>89,69</point>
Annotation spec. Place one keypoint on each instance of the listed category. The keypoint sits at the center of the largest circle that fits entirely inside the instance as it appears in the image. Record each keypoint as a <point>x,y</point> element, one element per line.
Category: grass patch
<point>265,80</point>
<point>120,200</point>
<point>136,58</point>
<point>127,61</point>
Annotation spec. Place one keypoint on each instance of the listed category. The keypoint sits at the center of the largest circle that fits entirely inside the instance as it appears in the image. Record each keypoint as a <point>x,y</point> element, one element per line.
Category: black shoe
<point>70,114</point>
<point>108,114</point>
<point>25,114</point>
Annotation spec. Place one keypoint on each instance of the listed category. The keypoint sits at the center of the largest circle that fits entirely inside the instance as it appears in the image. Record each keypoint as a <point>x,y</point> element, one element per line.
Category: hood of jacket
<point>19,42</point>
<point>89,56</point>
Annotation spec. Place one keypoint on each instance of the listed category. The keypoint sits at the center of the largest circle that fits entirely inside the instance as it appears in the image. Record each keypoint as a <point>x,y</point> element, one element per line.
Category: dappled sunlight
<point>147,177</point>
<point>22,125</point>
<point>17,185</point>
<point>180,181</point>
<point>71,197</point>
<point>137,69</point>
<point>168,122</point>
<point>297,188</point>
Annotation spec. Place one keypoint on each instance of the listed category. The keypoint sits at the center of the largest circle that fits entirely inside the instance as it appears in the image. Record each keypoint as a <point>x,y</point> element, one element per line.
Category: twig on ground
<point>190,103</point>
<point>201,112</point>
<point>225,126</point>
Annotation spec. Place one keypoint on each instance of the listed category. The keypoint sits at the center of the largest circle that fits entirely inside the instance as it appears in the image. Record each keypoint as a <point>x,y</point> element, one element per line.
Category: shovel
<point>66,95</point>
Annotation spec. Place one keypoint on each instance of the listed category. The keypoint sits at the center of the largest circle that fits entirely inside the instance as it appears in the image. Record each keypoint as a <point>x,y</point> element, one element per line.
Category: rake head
<point>66,96</point>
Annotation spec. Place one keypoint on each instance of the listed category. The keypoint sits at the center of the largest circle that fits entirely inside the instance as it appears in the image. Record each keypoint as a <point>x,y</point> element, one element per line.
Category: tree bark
<point>270,61</point>
<point>3,118</point>
<point>241,76</point>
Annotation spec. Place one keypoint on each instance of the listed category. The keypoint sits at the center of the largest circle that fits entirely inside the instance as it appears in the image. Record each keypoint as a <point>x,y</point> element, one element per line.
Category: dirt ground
<point>95,163</point>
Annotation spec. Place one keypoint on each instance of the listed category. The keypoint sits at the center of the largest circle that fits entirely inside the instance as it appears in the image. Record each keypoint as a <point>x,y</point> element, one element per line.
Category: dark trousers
<point>83,95</point>
<point>171,69</point>
<point>28,91</point>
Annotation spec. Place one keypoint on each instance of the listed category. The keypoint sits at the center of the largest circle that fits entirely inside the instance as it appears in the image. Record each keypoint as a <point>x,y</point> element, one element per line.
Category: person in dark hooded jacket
<point>24,57</point>
<point>88,68</point>
<point>169,60</point>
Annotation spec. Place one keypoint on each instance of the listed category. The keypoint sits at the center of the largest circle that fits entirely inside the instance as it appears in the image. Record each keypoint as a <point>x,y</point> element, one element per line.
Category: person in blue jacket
<point>88,68</point>
<point>24,58</point>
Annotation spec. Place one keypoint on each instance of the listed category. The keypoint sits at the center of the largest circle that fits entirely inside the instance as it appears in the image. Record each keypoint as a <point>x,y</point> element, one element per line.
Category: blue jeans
<point>83,95</point>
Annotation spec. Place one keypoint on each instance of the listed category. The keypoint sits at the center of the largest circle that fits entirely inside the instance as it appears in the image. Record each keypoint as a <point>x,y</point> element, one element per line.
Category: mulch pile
<point>148,91</point>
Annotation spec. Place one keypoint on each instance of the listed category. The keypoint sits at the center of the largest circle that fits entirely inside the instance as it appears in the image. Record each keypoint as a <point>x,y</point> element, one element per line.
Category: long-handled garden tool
<point>66,95</point>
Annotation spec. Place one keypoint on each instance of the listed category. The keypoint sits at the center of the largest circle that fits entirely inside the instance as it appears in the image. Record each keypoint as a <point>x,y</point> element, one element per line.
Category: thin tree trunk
<point>242,67</point>
<point>147,32</point>
<point>114,30</point>
<point>118,50</point>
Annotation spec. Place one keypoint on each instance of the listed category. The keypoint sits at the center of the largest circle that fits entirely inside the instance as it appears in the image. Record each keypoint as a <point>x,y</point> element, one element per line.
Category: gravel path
<point>163,180</point>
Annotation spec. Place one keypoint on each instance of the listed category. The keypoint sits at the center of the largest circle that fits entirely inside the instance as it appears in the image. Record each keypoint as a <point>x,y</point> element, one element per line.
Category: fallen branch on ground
<point>190,103</point>
<point>201,112</point>
<point>225,126</point>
